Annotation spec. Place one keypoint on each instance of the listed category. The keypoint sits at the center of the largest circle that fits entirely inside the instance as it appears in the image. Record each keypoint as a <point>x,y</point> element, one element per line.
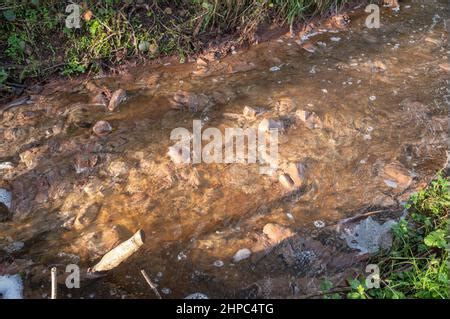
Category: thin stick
<point>54,284</point>
<point>147,279</point>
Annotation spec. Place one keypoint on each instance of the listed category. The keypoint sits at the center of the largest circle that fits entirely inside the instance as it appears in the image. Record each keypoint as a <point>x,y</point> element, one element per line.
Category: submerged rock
<point>117,168</point>
<point>87,216</point>
<point>84,162</point>
<point>100,99</point>
<point>276,233</point>
<point>190,101</point>
<point>296,172</point>
<point>396,176</point>
<point>32,156</point>
<point>102,128</point>
<point>118,97</point>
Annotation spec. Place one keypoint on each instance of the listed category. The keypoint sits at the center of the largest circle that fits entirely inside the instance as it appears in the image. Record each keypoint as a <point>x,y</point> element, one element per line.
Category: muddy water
<point>379,99</point>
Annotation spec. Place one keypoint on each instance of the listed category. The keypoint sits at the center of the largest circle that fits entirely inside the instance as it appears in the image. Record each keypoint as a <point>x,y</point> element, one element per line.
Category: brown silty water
<point>379,102</point>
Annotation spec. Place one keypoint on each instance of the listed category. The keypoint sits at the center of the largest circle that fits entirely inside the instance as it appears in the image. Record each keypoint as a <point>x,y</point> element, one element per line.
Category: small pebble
<point>275,69</point>
<point>166,291</point>
<point>319,223</point>
<point>102,128</point>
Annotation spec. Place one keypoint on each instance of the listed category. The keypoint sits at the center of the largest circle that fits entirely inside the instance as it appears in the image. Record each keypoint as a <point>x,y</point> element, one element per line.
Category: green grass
<point>34,41</point>
<point>417,265</point>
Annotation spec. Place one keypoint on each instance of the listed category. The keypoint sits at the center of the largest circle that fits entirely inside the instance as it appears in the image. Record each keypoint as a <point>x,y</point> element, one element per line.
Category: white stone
<point>269,124</point>
<point>6,165</point>
<point>390,183</point>
<point>6,197</point>
<point>242,254</point>
<point>275,69</point>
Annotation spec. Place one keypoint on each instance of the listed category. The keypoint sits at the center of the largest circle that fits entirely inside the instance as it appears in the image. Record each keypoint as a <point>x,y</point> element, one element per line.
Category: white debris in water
<point>322,44</point>
<point>166,291</point>
<point>307,36</point>
<point>197,295</point>
<point>275,69</point>
<point>11,287</point>
<point>6,165</point>
<point>319,223</point>
<point>369,236</point>
<point>367,137</point>
<point>218,263</point>
<point>390,183</point>
<point>325,91</point>
<point>181,256</point>
<point>335,39</point>
<point>290,216</point>
<point>372,98</point>
<point>6,197</point>
<point>242,254</point>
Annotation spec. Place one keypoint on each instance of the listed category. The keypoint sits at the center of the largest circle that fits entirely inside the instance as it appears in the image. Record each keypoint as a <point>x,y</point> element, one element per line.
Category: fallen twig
<point>150,283</point>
